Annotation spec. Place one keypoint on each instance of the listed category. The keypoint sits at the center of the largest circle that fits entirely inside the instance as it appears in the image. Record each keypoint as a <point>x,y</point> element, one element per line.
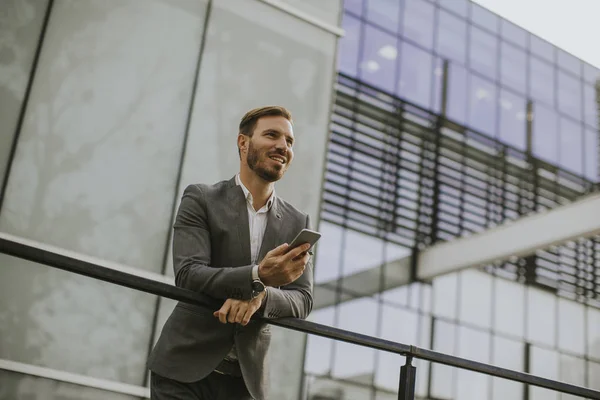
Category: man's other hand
<point>281,267</point>
<point>239,311</point>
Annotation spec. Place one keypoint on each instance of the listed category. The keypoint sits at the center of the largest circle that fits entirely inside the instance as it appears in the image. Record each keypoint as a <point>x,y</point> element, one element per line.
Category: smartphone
<point>305,236</point>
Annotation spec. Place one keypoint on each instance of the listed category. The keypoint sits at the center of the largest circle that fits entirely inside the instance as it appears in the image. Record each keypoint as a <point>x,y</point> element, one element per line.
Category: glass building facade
<point>449,120</point>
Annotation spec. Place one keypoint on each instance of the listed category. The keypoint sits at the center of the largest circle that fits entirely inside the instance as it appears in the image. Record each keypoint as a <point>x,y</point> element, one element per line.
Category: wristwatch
<point>257,285</point>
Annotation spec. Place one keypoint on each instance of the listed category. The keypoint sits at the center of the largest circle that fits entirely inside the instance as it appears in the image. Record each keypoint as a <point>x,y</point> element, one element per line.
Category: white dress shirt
<point>257,221</point>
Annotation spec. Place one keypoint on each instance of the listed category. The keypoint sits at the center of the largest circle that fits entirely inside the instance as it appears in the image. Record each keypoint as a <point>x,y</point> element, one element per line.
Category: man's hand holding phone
<point>282,266</point>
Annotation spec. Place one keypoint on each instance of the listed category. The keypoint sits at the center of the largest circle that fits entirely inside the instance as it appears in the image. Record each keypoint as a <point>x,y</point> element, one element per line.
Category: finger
<point>295,252</point>
<point>241,312</point>
<point>222,312</point>
<point>279,250</point>
<point>233,312</point>
<point>249,313</point>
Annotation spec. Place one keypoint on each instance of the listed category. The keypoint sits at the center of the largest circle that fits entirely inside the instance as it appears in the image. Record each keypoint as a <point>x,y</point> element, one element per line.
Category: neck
<point>260,189</point>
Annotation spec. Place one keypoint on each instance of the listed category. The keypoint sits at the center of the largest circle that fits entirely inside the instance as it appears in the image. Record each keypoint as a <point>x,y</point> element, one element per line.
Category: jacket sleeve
<point>292,300</point>
<point>192,253</point>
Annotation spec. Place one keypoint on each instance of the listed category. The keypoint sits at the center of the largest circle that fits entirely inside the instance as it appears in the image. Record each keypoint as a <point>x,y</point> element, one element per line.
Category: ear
<point>242,142</point>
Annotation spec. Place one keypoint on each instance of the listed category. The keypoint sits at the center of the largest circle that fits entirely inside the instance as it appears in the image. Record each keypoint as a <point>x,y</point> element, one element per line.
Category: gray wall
<point>98,167</point>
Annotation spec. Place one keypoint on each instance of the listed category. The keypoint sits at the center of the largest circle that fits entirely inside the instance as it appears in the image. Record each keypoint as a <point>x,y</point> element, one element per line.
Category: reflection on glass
<point>571,326</point>
<point>384,13</point>
<point>416,75</point>
<point>541,48</point>
<point>457,93</point>
<point>327,262</point>
<point>482,105</point>
<point>593,333</point>
<point>443,377</point>
<point>460,7</point>
<point>484,52</point>
<point>484,18</point>
<point>513,33</point>
<point>348,46</point>
<point>354,6</point>
<point>571,145</point>
<point>513,122</point>
<point>590,106</point>
<point>541,81</point>
<point>451,37</point>
<point>361,252</point>
<point>444,295</point>
<point>569,94</point>
<point>509,305</point>
<point>541,317</point>
<point>378,63</point>
<point>513,67</point>
<point>545,133</point>
<point>351,361</point>
<point>591,154</point>
<point>318,349</point>
<point>476,302</point>
<point>569,62</point>
<point>544,363</point>
<point>418,22</point>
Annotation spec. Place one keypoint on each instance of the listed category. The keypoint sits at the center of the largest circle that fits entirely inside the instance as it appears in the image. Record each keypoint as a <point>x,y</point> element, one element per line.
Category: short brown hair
<point>249,120</point>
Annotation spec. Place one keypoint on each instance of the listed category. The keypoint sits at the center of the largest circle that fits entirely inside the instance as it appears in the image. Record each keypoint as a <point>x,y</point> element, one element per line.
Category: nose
<point>282,144</point>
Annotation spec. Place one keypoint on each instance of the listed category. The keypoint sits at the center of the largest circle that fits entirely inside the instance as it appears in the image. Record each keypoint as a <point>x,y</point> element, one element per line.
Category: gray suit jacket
<point>211,256</point>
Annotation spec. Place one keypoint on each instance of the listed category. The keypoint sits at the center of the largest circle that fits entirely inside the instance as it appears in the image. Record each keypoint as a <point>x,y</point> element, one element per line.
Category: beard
<point>267,174</point>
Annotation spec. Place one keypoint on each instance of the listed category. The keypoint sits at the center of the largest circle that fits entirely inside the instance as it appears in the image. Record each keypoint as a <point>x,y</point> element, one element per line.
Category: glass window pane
<point>572,370</point>
<point>460,7</point>
<point>593,334</point>
<point>438,74</point>
<point>14,385</point>
<point>457,93</point>
<point>571,145</point>
<point>473,345</point>
<point>569,62</point>
<point>443,378</point>
<point>541,48</point>
<point>361,252</point>
<point>327,262</point>
<point>591,154</point>
<point>319,349</point>
<point>106,130</point>
<point>348,46</point>
<point>569,95</point>
<point>545,133</point>
<point>591,73</point>
<point>385,13</point>
<point>416,75</point>
<point>513,110</point>
<point>541,317</point>
<point>451,37</point>
<point>541,81</point>
<point>483,54</point>
<point>352,361</point>
<point>354,6</point>
<point>545,364</point>
<point>591,103</point>
<point>482,105</point>
<point>444,295</point>
<point>513,67</point>
<point>509,307</point>
<point>19,30</point>
<point>571,326</point>
<point>378,65</point>
<point>476,302</point>
<point>513,33</point>
<point>594,375</point>
<point>484,18</point>
<point>507,354</point>
<point>418,22</point>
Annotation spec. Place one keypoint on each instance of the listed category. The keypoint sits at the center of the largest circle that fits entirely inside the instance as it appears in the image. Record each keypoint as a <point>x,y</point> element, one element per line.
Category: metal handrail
<point>29,252</point>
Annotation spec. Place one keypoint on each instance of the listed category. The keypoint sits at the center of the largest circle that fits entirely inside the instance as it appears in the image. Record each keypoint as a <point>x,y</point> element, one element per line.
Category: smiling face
<point>268,151</point>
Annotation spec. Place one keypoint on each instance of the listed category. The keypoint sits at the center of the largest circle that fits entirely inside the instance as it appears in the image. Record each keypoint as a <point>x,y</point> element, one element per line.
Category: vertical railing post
<point>408,374</point>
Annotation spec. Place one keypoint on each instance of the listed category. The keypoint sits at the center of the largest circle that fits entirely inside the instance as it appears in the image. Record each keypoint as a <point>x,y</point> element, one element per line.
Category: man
<point>230,245</point>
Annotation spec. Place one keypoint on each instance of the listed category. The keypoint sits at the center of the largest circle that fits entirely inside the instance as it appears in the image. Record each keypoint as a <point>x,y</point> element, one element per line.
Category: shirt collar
<point>248,195</point>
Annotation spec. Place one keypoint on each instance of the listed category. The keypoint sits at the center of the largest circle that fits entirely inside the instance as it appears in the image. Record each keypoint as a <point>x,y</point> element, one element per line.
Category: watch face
<point>258,286</point>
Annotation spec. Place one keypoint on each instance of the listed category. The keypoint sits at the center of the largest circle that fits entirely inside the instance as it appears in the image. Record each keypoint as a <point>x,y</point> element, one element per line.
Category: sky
<point>573,25</point>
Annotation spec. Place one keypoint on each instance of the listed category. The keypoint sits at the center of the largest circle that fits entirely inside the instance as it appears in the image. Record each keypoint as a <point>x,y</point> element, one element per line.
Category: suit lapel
<point>241,224</point>
<point>272,236</point>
